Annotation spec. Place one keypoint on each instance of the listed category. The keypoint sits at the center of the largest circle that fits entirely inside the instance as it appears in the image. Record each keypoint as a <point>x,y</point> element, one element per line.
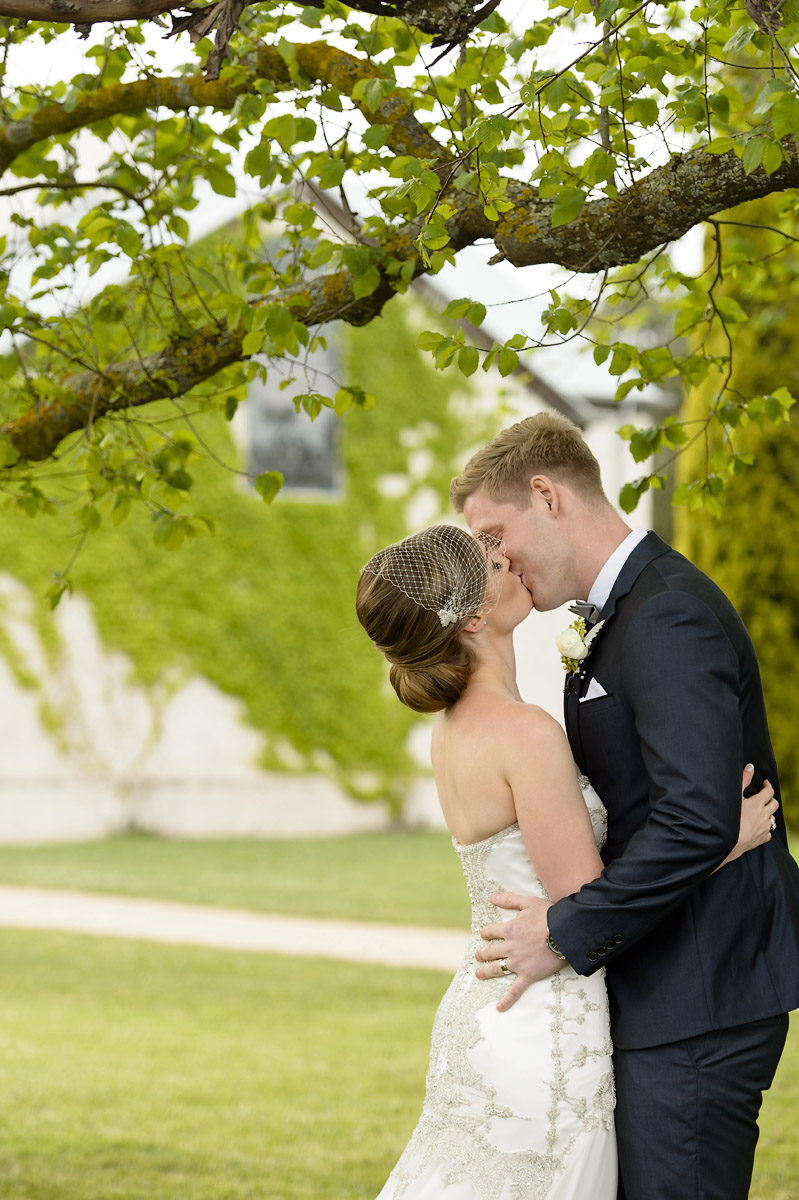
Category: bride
<point>519,1104</point>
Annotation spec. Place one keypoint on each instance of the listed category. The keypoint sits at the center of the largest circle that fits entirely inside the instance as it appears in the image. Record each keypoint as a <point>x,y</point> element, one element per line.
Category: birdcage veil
<point>444,569</point>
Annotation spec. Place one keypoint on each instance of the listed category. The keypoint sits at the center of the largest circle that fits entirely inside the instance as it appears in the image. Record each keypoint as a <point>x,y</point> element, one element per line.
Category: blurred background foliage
<point>750,547</point>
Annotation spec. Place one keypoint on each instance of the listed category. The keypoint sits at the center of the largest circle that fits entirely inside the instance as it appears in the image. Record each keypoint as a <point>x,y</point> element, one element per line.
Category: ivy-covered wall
<point>264,609</point>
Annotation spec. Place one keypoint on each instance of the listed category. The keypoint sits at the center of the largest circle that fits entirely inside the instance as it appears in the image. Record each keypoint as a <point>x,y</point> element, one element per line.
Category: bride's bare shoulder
<point>507,720</point>
<point>535,720</point>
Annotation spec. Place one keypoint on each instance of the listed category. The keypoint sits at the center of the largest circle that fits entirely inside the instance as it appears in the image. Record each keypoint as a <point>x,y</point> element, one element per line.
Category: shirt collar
<point>603,584</point>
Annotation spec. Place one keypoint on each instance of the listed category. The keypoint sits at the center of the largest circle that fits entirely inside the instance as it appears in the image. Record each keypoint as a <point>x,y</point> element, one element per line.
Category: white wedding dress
<point>519,1105</point>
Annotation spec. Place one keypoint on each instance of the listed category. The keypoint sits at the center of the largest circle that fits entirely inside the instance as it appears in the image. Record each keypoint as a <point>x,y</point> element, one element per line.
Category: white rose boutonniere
<point>574,643</point>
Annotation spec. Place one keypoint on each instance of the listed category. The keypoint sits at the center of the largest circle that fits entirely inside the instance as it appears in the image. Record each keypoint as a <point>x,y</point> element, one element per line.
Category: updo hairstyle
<point>430,662</point>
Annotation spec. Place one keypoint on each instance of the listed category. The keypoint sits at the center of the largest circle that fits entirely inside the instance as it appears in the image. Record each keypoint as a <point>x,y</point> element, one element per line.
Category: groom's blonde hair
<point>545,444</point>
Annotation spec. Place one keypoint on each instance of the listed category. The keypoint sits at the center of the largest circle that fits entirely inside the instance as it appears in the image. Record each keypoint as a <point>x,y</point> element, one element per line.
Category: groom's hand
<point>521,942</point>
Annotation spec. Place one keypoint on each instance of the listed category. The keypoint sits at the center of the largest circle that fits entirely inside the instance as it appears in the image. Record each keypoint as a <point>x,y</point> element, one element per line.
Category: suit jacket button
<point>601,950</point>
<point>592,956</point>
<point>618,939</point>
<point>610,945</point>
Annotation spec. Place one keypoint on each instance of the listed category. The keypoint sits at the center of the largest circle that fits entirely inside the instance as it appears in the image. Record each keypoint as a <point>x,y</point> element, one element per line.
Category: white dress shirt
<point>603,584</point>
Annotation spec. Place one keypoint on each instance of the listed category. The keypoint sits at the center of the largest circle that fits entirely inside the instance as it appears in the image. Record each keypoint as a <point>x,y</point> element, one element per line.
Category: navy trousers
<point>686,1112</point>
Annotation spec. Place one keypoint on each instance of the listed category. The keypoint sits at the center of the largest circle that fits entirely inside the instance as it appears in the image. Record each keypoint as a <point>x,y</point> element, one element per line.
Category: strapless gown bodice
<point>518,1105</point>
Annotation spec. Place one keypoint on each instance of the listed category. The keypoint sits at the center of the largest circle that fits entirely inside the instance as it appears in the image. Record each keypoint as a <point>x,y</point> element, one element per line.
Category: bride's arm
<point>757,813</point>
<point>549,804</point>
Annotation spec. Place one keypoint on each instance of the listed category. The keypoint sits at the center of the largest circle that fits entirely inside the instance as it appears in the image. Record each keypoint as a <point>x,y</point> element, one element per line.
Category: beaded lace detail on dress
<point>468,1130</point>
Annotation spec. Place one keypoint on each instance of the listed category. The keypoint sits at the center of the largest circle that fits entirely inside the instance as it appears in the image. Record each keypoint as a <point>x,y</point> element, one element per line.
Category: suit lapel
<point>647,550</point>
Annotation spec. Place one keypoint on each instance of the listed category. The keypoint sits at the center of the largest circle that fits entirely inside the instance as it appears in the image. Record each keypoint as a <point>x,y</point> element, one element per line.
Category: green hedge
<point>751,550</point>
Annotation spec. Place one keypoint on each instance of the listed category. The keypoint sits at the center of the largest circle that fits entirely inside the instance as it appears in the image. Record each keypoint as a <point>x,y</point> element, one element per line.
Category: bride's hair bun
<point>430,688</point>
<point>430,662</point>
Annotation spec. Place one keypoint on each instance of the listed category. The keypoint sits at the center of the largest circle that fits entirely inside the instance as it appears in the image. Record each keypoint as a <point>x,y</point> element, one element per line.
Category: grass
<point>777,1162</point>
<point>398,877</point>
<point>133,1071</point>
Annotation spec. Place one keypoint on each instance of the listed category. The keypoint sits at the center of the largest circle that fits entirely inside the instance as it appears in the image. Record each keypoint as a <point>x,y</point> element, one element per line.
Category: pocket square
<point>594,691</point>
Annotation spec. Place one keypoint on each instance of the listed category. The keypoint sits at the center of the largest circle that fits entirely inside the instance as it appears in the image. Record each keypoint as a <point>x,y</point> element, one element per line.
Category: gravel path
<point>230,929</point>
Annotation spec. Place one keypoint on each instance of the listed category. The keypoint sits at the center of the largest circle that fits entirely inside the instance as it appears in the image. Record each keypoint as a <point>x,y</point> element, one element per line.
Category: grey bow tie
<point>589,612</point>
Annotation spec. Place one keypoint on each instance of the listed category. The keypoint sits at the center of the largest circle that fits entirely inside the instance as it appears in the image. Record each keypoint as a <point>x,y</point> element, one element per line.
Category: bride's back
<point>469,762</point>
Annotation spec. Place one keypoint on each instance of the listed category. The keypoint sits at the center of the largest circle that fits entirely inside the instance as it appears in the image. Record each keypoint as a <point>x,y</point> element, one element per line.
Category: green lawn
<point>132,1071</point>
<point>777,1163</point>
<point>410,877</point>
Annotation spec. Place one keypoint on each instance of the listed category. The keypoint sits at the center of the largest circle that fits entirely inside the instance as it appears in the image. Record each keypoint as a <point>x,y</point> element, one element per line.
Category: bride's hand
<point>757,817</point>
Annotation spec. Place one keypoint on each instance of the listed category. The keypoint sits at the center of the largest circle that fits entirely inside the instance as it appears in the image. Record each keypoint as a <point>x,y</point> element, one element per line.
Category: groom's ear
<point>544,491</point>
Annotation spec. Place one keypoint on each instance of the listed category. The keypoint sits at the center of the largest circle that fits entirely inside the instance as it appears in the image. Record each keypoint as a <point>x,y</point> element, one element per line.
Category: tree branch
<point>671,200</point>
<point>86,12</point>
<point>318,61</point>
<point>655,210</point>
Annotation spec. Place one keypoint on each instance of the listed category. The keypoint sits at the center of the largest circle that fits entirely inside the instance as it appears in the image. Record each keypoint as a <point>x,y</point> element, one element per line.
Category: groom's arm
<point>680,677</point>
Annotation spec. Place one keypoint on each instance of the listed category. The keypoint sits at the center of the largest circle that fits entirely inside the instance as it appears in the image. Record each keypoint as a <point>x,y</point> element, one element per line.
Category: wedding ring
<point>504,968</point>
<point>773,824</point>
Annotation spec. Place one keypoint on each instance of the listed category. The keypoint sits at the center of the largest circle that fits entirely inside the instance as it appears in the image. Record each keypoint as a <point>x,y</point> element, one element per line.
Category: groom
<point>702,968</point>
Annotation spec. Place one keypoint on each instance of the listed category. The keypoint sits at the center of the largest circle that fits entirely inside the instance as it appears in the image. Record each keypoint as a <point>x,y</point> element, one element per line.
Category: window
<point>281,439</point>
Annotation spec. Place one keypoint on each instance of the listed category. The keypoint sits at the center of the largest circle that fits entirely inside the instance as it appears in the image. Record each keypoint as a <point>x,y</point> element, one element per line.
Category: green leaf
<point>784,398</point>
<point>8,453</point>
<point>507,361</point>
<point>371,92</point>
<point>283,130</point>
<point>772,158</point>
<point>358,396</point>
<point>332,173</point>
<point>375,137</point>
<point>468,360</point>
<point>687,318</point>
<point>458,309</point>
<point>259,162</point>
<point>121,510</point>
<point>785,116</point>
<point>253,341</point>
<point>631,493</point>
<point>366,283</point>
<point>268,484</point>
<point>741,38</point>
<point>769,94</point>
<point>731,310</point>
<point>567,206</point>
<point>645,110</point>
<point>720,145</point>
<point>221,181</point>
<point>89,518</point>
<point>753,153</point>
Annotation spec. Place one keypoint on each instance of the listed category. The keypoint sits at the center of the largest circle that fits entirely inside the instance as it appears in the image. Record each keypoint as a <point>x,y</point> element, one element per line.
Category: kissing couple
<point>622,1003</point>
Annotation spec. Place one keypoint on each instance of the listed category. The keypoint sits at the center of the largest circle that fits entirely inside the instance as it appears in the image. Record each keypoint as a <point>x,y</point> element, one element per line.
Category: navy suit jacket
<point>686,950</point>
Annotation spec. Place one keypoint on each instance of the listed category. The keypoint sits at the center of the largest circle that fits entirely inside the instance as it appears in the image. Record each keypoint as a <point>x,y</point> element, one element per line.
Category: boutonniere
<point>574,643</point>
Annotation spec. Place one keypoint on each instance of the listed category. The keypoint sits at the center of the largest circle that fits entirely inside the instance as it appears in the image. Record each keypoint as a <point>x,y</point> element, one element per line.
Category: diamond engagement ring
<point>504,968</point>
<point>773,823</point>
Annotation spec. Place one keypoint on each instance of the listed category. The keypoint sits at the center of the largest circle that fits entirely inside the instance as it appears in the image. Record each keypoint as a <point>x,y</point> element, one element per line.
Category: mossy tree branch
<point>662,207</point>
<point>658,208</point>
<point>318,61</point>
